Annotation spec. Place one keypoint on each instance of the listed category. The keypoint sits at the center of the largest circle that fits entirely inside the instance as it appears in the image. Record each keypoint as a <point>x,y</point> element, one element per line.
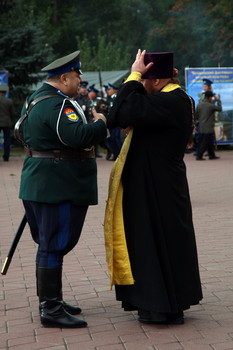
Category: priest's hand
<point>139,65</point>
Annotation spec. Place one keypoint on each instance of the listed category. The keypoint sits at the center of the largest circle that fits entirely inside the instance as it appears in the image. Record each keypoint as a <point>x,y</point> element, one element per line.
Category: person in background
<point>111,91</point>
<point>7,115</point>
<point>82,96</point>
<point>205,118</point>
<point>92,102</point>
<point>116,135</point>
<point>207,86</point>
<point>149,234</point>
<point>58,181</point>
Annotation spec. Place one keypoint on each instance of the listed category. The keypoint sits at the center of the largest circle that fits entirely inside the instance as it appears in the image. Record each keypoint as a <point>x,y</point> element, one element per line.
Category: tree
<point>109,33</point>
<point>23,52</point>
<point>195,32</point>
<point>105,55</point>
<point>221,28</point>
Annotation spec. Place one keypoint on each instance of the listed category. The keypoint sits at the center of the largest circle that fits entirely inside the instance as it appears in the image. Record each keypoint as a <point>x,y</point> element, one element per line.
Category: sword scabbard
<point>5,265</point>
<point>14,245</point>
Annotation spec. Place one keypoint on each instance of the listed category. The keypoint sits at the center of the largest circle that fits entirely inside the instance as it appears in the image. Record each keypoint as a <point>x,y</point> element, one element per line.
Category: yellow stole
<point>117,256</point>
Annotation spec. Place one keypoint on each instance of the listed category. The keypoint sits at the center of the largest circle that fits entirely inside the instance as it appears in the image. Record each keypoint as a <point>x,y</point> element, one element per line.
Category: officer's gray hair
<point>54,78</point>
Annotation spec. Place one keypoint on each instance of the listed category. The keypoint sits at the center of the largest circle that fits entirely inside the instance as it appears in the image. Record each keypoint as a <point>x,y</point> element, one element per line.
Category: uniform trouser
<point>7,141</point>
<point>206,143</point>
<point>56,229</point>
<point>114,142</point>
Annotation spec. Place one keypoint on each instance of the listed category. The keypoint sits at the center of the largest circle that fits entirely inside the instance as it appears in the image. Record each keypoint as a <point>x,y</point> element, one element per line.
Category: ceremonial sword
<point>14,245</point>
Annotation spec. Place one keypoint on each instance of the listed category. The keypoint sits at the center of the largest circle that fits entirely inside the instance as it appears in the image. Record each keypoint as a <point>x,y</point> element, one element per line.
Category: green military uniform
<point>59,180</point>
<point>57,123</point>
<point>205,115</point>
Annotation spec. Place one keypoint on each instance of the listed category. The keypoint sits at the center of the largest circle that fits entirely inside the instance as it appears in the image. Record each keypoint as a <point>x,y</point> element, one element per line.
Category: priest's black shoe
<point>128,307</point>
<point>151,317</point>
<point>177,318</point>
<point>160,318</point>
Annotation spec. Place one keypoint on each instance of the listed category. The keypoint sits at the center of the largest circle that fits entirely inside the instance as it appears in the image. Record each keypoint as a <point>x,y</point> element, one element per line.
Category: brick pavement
<point>207,326</point>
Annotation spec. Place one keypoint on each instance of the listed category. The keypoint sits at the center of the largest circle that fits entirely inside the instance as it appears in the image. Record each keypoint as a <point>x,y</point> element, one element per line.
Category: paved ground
<point>207,326</point>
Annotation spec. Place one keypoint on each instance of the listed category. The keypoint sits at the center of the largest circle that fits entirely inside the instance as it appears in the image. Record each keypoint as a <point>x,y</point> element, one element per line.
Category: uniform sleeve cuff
<point>134,76</point>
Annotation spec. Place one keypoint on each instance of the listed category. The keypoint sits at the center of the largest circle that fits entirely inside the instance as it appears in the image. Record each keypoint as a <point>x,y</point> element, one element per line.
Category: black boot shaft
<point>52,311</point>
<point>49,283</point>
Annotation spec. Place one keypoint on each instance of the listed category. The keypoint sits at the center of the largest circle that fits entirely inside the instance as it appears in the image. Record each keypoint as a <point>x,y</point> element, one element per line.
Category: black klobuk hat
<point>162,67</point>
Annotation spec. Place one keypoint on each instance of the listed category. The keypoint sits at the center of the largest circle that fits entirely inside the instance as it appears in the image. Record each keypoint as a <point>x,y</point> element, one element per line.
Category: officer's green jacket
<point>59,123</point>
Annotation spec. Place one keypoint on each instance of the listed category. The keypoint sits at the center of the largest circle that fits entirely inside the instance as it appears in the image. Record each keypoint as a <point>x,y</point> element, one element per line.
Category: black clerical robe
<point>157,211</point>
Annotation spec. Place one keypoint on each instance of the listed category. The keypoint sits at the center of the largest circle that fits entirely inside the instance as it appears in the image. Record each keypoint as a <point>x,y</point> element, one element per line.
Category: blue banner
<point>4,79</point>
<point>222,79</point>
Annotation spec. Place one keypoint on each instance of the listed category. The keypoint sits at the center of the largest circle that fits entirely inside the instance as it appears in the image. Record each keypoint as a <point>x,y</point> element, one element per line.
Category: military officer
<point>91,102</point>
<point>58,181</point>
<point>111,91</point>
<point>205,116</point>
<point>7,115</point>
<point>116,137</point>
<point>82,96</point>
<point>207,86</point>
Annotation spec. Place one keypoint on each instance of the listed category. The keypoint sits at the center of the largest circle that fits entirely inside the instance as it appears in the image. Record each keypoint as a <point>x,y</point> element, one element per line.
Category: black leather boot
<point>71,309</point>
<point>52,311</point>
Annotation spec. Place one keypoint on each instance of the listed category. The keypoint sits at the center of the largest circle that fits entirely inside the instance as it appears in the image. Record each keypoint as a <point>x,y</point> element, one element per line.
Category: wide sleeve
<point>134,107</point>
<point>125,91</point>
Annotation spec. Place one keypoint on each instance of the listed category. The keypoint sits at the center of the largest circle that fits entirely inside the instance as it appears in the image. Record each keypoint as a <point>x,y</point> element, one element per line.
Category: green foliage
<point>104,55</point>
<point>200,33</point>
<point>22,55</point>
<point>109,33</point>
<point>222,29</point>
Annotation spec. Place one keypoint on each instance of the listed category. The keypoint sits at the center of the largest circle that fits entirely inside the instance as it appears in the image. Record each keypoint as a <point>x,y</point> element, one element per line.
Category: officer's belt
<point>60,154</point>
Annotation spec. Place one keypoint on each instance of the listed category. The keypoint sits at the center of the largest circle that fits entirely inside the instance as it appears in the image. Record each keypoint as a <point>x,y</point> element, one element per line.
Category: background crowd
<point>109,33</point>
